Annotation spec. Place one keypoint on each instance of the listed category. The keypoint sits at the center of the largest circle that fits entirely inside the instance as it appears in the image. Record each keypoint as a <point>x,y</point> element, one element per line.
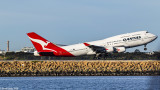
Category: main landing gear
<point>100,56</point>
<point>145,47</point>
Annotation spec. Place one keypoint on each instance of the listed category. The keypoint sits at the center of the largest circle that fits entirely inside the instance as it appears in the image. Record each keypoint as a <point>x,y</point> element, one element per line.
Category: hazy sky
<point>76,21</point>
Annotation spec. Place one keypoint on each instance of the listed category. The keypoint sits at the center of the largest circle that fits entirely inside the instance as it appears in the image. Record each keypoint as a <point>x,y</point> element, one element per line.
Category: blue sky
<point>76,21</point>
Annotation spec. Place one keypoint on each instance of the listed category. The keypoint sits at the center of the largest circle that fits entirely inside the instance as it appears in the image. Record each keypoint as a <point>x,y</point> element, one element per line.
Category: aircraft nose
<point>154,36</point>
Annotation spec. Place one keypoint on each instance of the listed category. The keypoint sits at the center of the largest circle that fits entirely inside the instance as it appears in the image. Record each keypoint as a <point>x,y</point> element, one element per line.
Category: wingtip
<point>86,44</point>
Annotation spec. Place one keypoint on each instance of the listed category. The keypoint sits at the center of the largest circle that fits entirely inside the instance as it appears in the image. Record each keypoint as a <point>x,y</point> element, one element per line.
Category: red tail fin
<point>40,43</point>
<point>46,48</point>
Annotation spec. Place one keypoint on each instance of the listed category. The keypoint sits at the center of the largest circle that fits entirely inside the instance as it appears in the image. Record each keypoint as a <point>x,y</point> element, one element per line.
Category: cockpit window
<point>147,32</point>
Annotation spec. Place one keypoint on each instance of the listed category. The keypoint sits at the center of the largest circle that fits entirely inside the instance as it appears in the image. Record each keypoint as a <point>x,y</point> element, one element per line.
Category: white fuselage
<point>120,41</point>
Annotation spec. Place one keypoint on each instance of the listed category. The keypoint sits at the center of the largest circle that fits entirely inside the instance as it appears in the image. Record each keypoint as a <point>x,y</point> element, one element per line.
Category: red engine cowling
<point>120,49</point>
<point>110,49</point>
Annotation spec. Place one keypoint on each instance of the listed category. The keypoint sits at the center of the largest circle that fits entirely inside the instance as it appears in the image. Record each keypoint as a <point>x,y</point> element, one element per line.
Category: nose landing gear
<point>145,47</point>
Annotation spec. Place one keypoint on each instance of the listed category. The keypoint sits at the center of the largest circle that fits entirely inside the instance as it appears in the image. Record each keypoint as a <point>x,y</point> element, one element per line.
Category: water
<point>81,83</point>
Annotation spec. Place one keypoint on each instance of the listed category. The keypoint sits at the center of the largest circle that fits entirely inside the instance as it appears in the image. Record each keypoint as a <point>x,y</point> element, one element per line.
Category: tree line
<point>114,56</point>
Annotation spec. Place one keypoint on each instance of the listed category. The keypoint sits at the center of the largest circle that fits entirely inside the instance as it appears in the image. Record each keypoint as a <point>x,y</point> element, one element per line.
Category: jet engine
<point>110,49</point>
<point>120,49</point>
<point>115,49</point>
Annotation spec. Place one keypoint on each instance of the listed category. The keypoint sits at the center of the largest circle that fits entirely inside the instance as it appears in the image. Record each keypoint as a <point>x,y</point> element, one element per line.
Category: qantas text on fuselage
<point>113,44</point>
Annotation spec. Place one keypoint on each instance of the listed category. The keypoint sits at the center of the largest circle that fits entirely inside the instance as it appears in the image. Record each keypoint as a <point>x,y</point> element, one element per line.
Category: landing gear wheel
<point>145,49</point>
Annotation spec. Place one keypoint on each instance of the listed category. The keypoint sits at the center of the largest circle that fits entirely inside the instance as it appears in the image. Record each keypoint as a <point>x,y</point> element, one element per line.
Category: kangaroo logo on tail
<point>42,43</point>
<point>45,48</point>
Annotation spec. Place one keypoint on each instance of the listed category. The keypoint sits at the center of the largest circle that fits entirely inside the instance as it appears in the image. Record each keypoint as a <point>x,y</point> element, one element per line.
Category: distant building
<point>28,49</point>
<point>2,52</point>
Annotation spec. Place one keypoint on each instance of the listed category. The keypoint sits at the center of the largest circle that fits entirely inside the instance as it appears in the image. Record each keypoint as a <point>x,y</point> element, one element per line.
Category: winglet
<point>86,44</point>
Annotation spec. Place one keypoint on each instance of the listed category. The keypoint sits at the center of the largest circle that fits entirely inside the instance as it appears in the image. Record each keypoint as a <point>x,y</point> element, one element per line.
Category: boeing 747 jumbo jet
<point>113,44</point>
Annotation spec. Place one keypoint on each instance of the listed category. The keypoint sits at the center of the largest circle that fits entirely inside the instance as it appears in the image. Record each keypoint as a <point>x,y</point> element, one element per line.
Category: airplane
<point>115,44</point>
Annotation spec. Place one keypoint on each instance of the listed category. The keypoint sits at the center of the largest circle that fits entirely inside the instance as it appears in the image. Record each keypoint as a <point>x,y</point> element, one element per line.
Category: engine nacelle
<point>115,49</point>
<point>36,53</point>
<point>110,49</point>
<point>120,49</point>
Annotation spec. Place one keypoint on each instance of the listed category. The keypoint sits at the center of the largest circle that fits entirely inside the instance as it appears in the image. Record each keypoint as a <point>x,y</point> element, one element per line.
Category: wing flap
<point>97,49</point>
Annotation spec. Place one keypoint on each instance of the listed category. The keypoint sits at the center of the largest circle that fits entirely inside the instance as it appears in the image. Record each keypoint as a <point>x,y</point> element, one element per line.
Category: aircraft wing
<point>97,49</point>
